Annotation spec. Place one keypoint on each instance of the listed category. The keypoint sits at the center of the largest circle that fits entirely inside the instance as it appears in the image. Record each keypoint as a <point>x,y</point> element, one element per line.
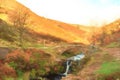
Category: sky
<point>84,12</point>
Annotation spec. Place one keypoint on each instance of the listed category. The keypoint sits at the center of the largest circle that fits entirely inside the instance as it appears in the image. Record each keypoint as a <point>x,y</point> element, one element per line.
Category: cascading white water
<point>69,61</point>
<point>68,64</point>
<point>77,57</point>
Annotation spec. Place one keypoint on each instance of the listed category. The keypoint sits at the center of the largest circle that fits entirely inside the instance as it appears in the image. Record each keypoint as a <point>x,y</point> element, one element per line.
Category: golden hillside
<point>43,25</point>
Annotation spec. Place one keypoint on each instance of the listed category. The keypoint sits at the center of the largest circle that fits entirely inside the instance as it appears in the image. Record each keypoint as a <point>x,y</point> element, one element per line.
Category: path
<point>115,52</point>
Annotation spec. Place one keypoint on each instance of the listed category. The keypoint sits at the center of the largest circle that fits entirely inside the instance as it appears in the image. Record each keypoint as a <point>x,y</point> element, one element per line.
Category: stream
<point>68,64</point>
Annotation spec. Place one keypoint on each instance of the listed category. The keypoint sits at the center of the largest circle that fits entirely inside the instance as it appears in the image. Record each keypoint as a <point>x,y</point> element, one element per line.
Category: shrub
<point>24,61</point>
<point>6,71</point>
<point>113,44</point>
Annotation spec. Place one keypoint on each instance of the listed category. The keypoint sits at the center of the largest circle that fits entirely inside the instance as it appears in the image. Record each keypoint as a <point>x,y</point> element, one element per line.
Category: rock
<point>3,52</point>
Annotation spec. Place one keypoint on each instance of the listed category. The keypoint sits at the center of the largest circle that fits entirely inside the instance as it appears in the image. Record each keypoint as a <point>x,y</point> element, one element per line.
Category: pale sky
<point>84,12</point>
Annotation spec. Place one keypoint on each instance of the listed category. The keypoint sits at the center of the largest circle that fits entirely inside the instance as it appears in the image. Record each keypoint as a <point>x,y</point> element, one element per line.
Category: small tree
<point>19,19</point>
<point>93,37</point>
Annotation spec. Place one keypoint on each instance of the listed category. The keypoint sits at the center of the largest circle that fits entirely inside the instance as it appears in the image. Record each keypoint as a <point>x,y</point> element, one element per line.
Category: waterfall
<point>68,64</point>
<point>69,61</point>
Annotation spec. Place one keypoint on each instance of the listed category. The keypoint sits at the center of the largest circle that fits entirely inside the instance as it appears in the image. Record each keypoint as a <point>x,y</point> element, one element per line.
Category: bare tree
<point>19,18</point>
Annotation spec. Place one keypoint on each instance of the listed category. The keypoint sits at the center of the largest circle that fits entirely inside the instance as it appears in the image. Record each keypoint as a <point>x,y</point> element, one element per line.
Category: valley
<point>33,47</point>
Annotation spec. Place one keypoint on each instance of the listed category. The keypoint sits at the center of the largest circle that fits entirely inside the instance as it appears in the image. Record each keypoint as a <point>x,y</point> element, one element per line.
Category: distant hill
<point>113,30</point>
<point>114,26</point>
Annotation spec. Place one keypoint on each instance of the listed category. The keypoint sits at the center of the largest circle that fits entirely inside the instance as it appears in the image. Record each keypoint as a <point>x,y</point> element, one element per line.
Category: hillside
<point>114,26</point>
<point>112,31</point>
<point>43,25</point>
<point>9,36</point>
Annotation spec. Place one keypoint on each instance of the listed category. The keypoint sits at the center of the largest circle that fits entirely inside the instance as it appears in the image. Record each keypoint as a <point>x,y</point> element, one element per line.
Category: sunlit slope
<point>46,26</point>
<point>113,30</point>
<point>112,27</point>
<point>57,29</point>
